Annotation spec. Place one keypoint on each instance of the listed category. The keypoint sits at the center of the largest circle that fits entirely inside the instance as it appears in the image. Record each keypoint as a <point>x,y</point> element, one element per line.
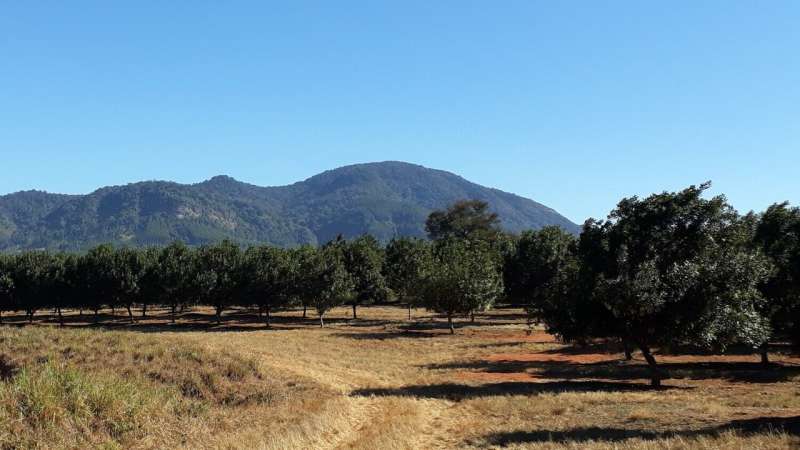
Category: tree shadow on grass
<point>789,425</point>
<point>391,334</point>
<point>504,344</point>
<point>456,392</point>
<point>186,322</point>
<point>752,372</point>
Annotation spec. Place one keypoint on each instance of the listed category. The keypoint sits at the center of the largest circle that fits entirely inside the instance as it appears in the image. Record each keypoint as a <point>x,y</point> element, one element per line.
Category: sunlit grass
<point>379,382</point>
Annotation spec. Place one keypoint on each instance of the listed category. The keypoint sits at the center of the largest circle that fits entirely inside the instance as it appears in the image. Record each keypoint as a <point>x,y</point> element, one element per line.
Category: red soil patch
<point>492,377</point>
<point>536,337</point>
<point>588,358</point>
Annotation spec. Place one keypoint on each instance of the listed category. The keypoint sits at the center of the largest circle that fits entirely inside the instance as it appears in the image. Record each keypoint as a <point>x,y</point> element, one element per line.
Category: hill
<point>384,199</point>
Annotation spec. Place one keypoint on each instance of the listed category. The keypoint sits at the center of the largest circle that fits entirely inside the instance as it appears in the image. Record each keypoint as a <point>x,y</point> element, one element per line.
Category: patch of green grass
<point>59,404</point>
<point>111,389</point>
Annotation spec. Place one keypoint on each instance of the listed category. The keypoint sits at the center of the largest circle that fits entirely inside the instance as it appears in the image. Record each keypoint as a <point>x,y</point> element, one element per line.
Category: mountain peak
<point>221,179</point>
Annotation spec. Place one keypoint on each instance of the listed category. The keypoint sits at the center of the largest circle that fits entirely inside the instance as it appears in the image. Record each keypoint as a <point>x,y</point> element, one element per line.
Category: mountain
<point>384,199</point>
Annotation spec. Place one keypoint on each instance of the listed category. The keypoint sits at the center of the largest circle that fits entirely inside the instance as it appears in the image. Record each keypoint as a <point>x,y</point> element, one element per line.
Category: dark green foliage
<point>537,271</point>
<point>269,275</point>
<point>384,200</point>
<point>176,277</point>
<point>464,278</point>
<point>150,290</point>
<point>328,282</point>
<point>34,275</point>
<point>672,269</point>
<point>97,272</point>
<point>465,219</point>
<point>778,236</point>
<point>127,272</point>
<point>408,262</point>
<point>218,275</point>
<point>6,285</point>
<point>363,258</point>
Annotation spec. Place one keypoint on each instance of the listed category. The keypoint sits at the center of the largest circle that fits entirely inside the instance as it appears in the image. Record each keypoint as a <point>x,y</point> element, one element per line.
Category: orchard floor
<point>384,382</point>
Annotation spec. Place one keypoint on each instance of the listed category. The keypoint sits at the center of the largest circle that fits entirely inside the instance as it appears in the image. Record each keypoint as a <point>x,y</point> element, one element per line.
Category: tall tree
<point>330,283</point>
<point>97,272</point>
<point>32,276</point>
<point>534,273</point>
<point>268,274</point>
<point>217,276</point>
<point>778,236</point>
<point>150,289</point>
<point>6,286</point>
<point>671,272</point>
<point>306,259</point>
<point>177,273</point>
<point>63,268</point>
<point>465,219</point>
<point>465,277</point>
<point>363,258</point>
<point>127,271</point>
<point>408,261</point>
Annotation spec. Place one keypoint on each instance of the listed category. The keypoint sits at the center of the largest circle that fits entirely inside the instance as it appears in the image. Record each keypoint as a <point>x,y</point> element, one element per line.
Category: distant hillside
<point>384,199</point>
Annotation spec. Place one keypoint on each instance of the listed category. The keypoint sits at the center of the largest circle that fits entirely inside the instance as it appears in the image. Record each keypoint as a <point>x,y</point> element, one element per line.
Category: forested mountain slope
<point>384,199</point>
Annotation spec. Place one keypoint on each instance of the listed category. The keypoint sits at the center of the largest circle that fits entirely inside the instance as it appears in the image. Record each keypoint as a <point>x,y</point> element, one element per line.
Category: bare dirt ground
<point>397,384</point>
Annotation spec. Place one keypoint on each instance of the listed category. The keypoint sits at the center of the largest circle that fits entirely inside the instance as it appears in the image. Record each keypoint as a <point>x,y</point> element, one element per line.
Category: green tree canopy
<point>363,258</point>
<point>329,282</point>
<point>408,262</point>
<point>465,277</point>
<point>465,219</point>
<point>778,236</point>
<point>671,271</point>
<point>268,274</point>
<point>535,272</point>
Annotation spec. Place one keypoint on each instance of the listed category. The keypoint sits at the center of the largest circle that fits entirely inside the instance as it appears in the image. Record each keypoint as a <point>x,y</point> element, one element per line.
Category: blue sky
<point>573,104</point>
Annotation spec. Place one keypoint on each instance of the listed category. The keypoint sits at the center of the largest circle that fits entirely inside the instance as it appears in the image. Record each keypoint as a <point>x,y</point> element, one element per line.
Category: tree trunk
<point>144,310</point>
<point>450,323</point>
<point>60,317</point>
<point>219,314</point>
<point>355,316</point>
<point>268,316</point>
<point>172,314</point>
<point>628,350</point>
<point>30,316</point>
<point>764,348</point>
<point>305,308</point>
<point>113,310</point>
<point>656,374</point>
<point>472,316</point>
<point>409,311</point>
<point>96,315</point>
<point>321,321</point>
<point>130,313</point>
<point>80,312</point>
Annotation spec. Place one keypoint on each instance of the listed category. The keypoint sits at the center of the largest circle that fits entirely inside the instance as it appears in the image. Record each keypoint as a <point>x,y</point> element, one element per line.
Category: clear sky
<point>573,104</point>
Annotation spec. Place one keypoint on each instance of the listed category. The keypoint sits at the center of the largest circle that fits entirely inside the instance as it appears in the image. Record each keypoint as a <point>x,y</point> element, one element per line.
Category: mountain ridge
<point>386,199</point>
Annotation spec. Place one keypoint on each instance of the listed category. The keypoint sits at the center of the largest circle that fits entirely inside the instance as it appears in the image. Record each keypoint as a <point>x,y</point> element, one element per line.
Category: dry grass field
<point>379,382</point>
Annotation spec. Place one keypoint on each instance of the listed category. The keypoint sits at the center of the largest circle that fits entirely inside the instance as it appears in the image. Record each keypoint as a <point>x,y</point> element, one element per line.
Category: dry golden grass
<point>384,382</point>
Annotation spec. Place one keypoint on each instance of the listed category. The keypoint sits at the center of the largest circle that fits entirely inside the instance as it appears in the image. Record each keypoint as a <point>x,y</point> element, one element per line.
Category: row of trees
<point>667,271</point>
<point>221,276</point>
<point>455,274</point>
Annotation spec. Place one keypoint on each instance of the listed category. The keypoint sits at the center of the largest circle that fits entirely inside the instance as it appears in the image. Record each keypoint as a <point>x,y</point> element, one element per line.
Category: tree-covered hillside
<point>383,199</point>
